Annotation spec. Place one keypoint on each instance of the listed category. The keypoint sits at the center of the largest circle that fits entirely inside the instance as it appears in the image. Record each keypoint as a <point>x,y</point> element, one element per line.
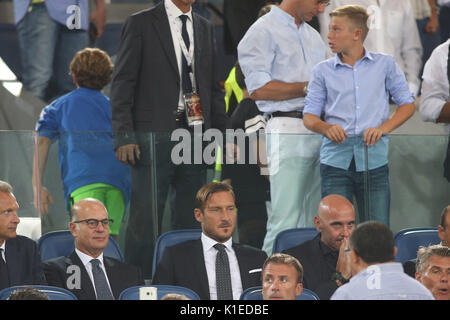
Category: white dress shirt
<point>3,246</point>
<point>393,31</point>
<point>176,32</point>
<point>86,260</point>
<point>435,86</point>
<point>210,262</point>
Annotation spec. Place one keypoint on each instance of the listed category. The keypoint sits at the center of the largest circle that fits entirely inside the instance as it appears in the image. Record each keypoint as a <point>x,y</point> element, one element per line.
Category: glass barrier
<point>418,190</point>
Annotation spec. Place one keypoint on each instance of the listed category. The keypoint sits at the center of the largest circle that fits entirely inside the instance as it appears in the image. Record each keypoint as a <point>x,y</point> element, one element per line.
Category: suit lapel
<point>12,254</point>
<point>198,32</point>
<point>113,275</point>
<point>243,266</point>
<point>200,269</point>
<point>86,291</point>
<point>162,27</point>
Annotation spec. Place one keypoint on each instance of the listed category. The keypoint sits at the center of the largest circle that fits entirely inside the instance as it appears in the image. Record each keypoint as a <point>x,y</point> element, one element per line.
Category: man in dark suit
<point>20,262</point>
<point>213,266</point>
<point>165,52</point>
<point>325,259</point>
<point>86,272</point>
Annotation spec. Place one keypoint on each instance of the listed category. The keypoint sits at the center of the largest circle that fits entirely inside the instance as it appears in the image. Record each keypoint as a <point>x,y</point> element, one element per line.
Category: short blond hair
<point>357,15</point>
<point>5,187</point>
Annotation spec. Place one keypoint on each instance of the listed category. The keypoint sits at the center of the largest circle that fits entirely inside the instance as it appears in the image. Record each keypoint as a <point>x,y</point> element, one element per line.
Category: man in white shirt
<point>212,266</point>
<point>87,272</point>
<point>393,31</point>
<point>435,100</point>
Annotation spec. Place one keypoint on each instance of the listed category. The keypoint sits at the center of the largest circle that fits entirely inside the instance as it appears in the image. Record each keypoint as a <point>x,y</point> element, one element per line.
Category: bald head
<point>85,207</point>
<point>335,220</point>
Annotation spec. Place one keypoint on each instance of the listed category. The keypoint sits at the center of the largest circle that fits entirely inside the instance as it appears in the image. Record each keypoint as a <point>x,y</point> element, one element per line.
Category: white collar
<point>175,11</point>
<point>209,243</point>
<point>86,259</point>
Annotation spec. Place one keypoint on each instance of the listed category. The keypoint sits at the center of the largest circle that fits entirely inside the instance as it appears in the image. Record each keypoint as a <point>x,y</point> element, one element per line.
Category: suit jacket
<point>24,262</point>
<point>184,265</point>
<point>410,268</point>
<point>315,258</point>
<point>146,81</point>
<point>120,275</point>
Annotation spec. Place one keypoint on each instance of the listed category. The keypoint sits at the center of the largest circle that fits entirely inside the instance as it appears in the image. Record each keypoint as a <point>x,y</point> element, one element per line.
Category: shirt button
<point>354,70</point>
<point>357,87</point>
<point>357,107</point>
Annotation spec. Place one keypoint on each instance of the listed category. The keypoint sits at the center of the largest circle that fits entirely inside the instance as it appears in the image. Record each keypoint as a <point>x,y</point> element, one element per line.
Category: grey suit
<point>144,98</point>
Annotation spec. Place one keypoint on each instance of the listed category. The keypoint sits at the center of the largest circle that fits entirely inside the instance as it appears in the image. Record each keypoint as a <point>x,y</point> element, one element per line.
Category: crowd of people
<point>322,100</point>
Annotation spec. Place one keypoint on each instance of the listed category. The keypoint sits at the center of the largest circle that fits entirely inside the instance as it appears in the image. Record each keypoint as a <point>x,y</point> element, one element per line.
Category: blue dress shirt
<point>356,98</point>
<point>59,10</point>
<point>274,48</point>
<point>385,281</point>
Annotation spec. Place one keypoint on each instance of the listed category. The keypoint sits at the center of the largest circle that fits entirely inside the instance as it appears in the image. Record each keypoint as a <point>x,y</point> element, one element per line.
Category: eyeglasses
<point>326,3</point>
<point>93,223</point>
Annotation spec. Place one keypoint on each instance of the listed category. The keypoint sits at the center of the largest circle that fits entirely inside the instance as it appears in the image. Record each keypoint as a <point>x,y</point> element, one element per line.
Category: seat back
<point>255,293</point>
<point>133,292</point>
<point>62,243</point>
<point>54,293</point>
<point>292,237</point>
<point>409,240</point>
<point>171,238</point>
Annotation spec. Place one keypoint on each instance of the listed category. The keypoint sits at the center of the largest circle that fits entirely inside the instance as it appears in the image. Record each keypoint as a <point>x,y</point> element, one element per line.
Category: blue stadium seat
<point>409,240</point>
<point>62,243</point>
<point>171,238</point>
<point>255,293</point>
<point>133,292</point>
<point>54,293</point>
<point>292,237</point>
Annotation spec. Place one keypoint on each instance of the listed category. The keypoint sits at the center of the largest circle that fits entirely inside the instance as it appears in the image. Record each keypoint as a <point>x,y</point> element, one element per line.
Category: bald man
<point>325,261</point>
<point>87,272</point>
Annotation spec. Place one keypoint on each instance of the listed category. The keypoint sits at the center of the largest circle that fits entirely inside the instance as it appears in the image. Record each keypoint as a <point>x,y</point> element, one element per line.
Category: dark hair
<point>282,258</point>
<point>207,190</point>
<point>373,242</point>
<point>444,217</point>
<point>28,294</point>
<point>92,67</point>
<point>240,78</point>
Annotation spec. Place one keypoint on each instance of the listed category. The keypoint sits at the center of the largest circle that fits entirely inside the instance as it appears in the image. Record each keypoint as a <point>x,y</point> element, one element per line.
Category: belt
<point>290,114</point>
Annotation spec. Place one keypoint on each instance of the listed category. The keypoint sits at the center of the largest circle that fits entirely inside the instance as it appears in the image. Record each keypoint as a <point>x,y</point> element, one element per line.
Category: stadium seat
<point>255,293</point>
<point>171,238</point>
<point>133,292</point>
<point>409,240</point>
<point>54,293</point>
<point>292,237</point>
<point>62,243</point>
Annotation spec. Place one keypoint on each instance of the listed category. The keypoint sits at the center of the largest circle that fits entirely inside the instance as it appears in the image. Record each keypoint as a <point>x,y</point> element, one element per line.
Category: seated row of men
<point>341,262</point>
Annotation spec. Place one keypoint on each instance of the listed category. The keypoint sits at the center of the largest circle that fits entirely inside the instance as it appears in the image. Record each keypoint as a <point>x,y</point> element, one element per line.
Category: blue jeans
<point>349,183</point>
<point>47,48</point>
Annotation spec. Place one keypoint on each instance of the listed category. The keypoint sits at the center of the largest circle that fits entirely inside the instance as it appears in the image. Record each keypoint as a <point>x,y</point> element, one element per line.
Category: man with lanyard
<point>276,56</point>
<point>164,66</point>
<point>50,33</point>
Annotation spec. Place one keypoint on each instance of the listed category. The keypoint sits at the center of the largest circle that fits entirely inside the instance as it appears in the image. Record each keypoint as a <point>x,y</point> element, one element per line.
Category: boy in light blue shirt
<point>352,90</point>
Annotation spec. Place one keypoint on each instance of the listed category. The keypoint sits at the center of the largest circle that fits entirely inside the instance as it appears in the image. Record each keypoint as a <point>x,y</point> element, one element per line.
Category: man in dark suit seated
<point>324,259</point>
<point>20,262</point>
<point>213,266</point>
<point>87,272</point>
<point>444,234</point>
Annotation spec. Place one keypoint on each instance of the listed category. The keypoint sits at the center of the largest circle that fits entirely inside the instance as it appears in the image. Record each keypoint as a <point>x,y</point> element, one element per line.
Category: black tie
<point>223,276</point>
<point>101,285</point>
<point>4,278</point>
<point>186,80</point>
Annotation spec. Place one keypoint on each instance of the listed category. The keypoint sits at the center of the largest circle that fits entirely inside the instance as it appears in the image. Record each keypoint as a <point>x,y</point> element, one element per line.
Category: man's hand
<point>128,153</point>
<point>336,133</point>
<point>372,136</point>
<point>99,17</point>
<point>343,264</point>
<point>45,199</point>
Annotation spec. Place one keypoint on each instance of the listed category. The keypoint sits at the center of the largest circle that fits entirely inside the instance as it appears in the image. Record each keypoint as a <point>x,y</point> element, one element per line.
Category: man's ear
<point>317,223</point>
<point>198,214</point>
<point>73,228</point>
<point>441,232</point>
<point>357,34</point>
